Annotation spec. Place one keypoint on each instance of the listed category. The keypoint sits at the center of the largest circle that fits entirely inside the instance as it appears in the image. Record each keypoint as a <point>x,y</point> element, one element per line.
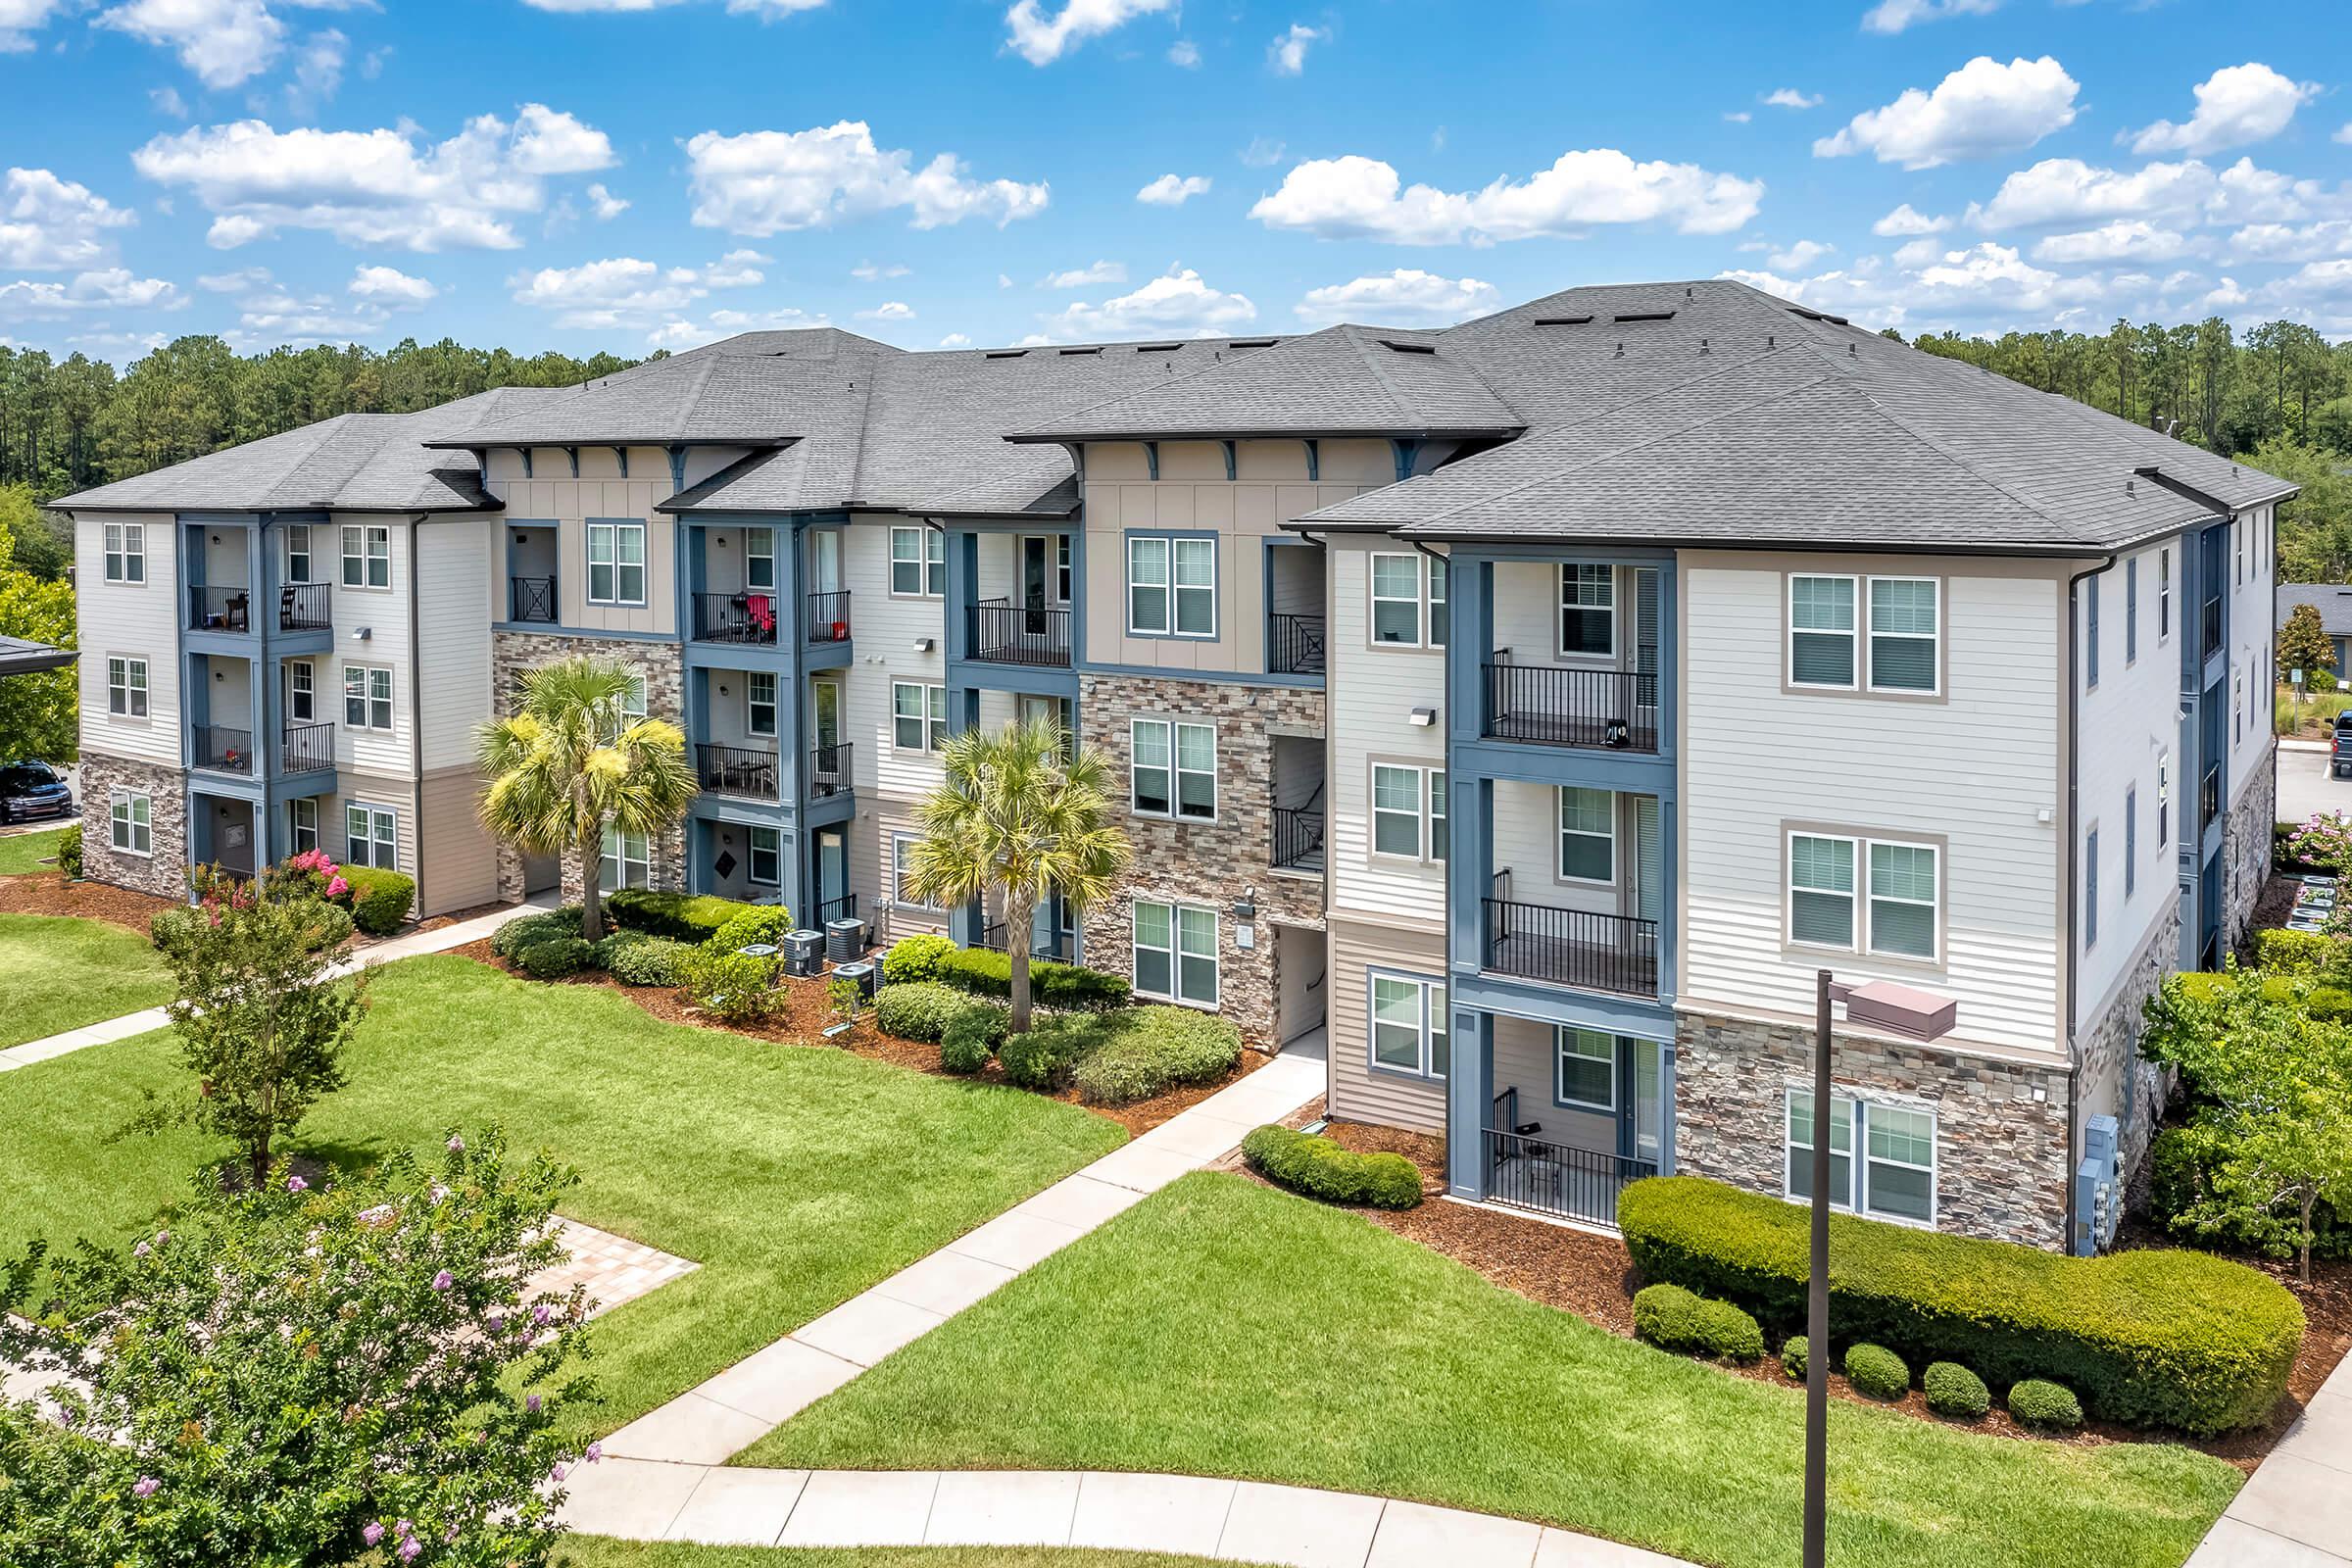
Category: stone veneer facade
<point>664,665</point>
<point>2109,1047</point>
<point>1214,863</point>
<point>2000,1153</point>
<point>163,872</point>
<point>2246,835</point>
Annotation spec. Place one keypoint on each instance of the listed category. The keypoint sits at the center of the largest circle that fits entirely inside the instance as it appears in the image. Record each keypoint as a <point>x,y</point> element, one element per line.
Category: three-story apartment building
<point>1522,714</point>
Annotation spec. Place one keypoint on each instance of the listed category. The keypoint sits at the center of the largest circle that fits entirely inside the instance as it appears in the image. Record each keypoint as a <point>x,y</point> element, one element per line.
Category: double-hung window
<point>302,816</point>
<point>1397,599</point>
<point>1408,1027</point>
<point>367,697</point>
<point>1172,586</point>
<point>367,555</point>
<point>1586,1071</point>
<point>1903,634</point>
<point>1821,891</point>
<point>1396,795</point>
<point>126,686</point>
<point>301,699</point>
<point>1902,900</point>
<point>627,863</point>
<point>126,552</point>
<point>616,562</point>
<point>1438,840</point>
<point>1176,952</point>
<point>760,702</point>
<point>1821,633</point>
<point>1893,914</point>
<point>918,563</point>
<point>901,872</point>
<point>760,559</point>
<point>371,836</point>
<point>1896,1179</point>
<point>132,817</point>
<point>1588,835</point>
<point>918,717</point>
<point>2130,841</point>
<point>1175,771</point>
<point>298,552</point>
<point>766,864</point>
<point>1588,610</point>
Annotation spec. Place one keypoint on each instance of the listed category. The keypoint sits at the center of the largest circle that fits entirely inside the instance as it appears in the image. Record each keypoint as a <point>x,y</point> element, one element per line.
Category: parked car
<point>33,789</point>
<point>2339,752</point>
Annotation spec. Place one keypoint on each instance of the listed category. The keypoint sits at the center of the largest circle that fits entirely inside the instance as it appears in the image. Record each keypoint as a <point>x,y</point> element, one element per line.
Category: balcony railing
<point>2209,797</point>
<point>223,749</point>
<point>992,936</point>
<point>737,770</point>
<point>302,607</point>
<point>829,771</point>
<point>307,747</point>
<point>531,599</point>
<point>1591,951</point>
<point>2209,626</point>
<point>1006,633</point>
<point>1578,1184</point>
<point>229,608</point>
<point>742,618</point>
<point>844,908</point>
<point>1299,835</point>
<point>1555,705</point>
<point>829,617</point>
<point>1295,645</point>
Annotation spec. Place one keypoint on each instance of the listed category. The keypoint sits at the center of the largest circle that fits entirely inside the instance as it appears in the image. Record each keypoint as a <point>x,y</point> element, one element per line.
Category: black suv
<point>29,790</point>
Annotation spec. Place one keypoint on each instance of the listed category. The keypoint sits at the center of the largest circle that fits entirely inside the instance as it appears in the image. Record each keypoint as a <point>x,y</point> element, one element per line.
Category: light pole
<point>1817,1297</point>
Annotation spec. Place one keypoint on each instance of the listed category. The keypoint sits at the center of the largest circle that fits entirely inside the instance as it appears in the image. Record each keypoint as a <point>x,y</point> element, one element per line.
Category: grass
<point>59,973</point>
<point>795,1176</point>
<point>603,1552</point>
<point>1222,1328</point>
<point>22,852</point>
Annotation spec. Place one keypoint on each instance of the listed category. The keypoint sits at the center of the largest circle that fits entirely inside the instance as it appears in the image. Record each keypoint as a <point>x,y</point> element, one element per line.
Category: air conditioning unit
<point>804,953</point>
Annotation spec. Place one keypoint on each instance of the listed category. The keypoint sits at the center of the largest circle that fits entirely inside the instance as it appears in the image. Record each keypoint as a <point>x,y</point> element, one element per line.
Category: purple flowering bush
<point>348,1372</point>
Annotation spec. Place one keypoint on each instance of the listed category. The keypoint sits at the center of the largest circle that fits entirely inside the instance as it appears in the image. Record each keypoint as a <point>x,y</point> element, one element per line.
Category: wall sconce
<point>1423,718</point>
<point>220,675</point>
<point>922,644</point>
<point>361,634</point>
<point>722,541</point>
<point>518,536</point>
<point>215,538</point>
<point>722,690</point>
<point>1245,908</point>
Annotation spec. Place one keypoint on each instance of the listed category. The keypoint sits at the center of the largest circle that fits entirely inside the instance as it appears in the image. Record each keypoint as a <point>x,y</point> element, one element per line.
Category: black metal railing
<point>1059,947</point>
<point>737,770</point>
<point>1555,705</point>
<point>844,908</point>
<point>829,617</point>
<point>531,599</point>
<point>1295,645</point>
<point>1578,1184</point>
<point>2209,797</point>
<point>2209,626</point>
<point>307,747</point>
<point>302,607</point>
<point>1615,953</point>
<point>224,749</point>
<point>1007,633</point>
<point>228,609</point>
<point>744,618</point>
<point>829,771</point>
<point>1299,834</point>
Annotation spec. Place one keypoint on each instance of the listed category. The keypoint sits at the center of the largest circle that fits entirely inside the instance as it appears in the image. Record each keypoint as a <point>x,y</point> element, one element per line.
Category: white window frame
<point>1440,833</point>
<point>2164,596</point>
<point>627,860</point>
<point>1933,638</point>
<point>1851,893</point>
<point>1872,899</point>
<point>1861,897</point>
<point>1852,632</point>
<point>1063,572</point>
<point>125,551</point>
<point>1171,549</point>
<point>1418,782</point>
<point>1417,604</point>
<point>302,823</point>
<point>753,703</point>
<point>900,845</point>
<point>1560,820</point>
<point>298,547</point>
<point>610,532</point>
<point>2130,841</point>
<point>1576,575</point>
<point>1564,1036</point>
<point>928,558</point>
<point>933,716</point>
<point>1432,1032</point>
<point>302,691</point>
<point>759,544</point>
<point>1176,952</point>
<point>132,691</point>
<point>379,831</point>
<point>127,832</point>
<point>1172,733</point>
<point>1859,1157</point>
<point>367,555</point>
<point>752,853</point>
<point>2164,800</point>
<point>373,707</point>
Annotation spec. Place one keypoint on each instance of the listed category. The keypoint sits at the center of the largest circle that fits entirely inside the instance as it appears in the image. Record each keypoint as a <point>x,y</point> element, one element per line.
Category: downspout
<point>415,718</point>
<point>2074,854</point>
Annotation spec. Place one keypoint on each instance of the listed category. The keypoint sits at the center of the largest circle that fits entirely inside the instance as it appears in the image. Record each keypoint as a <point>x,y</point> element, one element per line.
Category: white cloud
<point>771,181</point>
<point>1893,16</point>
<point>269,314</point>
<point>607,205</point>
<point>1286,54</point>
<point>166,100</point>
<point>2344,133</point>
<point>955,340</point>
<point>622,291</point>
<point>388,285</point>
<point>872,273</point>
<point>20,20</point>
<point>1799,256</point>
<point>2068,190</point>
<point>1183,52</point>
<point>317,70</point>
<point>1042,40</point>
<point>1179,302</point>
<point>1263,152</point>
<point>1985,285</point>
<point>1791,98</point>
<point>2287,242</point>
<point>1173,190</point>
<point>1906,219</point>
<point>889,311</point>
<point>1982,109</point>
<point>2126,240</point>
<point>1738,116</point>
<point>375,187</point>
<point>110,288</point>
<point>1003,280</point>
<point>681,332</point>
<point>49,224</point>
<point>224,42</point>
<point>1088,276</point>
<point>1405,297</point>
<point>2237,106</point>
<point>1359,198</point>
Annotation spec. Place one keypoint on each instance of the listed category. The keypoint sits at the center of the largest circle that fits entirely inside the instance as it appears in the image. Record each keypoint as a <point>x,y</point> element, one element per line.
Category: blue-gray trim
<point>1217,597</point>
<point>555,629</point>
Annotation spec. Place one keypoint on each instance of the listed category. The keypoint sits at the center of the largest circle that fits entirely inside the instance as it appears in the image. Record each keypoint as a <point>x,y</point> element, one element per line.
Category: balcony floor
<point>1564,962</point>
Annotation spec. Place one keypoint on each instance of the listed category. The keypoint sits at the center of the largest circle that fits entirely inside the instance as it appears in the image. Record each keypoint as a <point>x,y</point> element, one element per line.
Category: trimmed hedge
<point>973,1035</point>
<point>927,956</point>
<point>1877,1371</point>
<point>1045,1055</point>
<point>557,958</point>
<point>920,1010</point>
<point>764,923</point>
<point>2301,952</point>
<point>677,916</point>
<point>1148,1050</point>
<point>731,987</point>
<point>2172,1339</point>
<point>2044,1406</point>
<point>1321,1168</point>
<point>378,901</point>
<point>527,931</point>
<point>2180,1165</point>
<point>2313,994</point>
<point>636,959</point>
<point>1674,1319</point>
<point>915,957</point>
<point>1953,1389</point>
<point>1792,1358</point>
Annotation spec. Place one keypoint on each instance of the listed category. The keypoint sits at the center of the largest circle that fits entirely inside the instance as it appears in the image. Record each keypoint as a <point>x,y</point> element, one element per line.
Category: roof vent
<point>1250,343</point>
<point>1646,316</point>
<point>1564,321</point>
<point>1008,354</point>
<point>1067,352</point>
<point>1407,348</point>
<point>1157,348</point>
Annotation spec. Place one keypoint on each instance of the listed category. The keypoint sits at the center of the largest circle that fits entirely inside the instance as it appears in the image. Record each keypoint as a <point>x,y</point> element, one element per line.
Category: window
<point>901,866</point>
<point>367,555</point>
<point>1172,587</point>
<point>133,822</point>
<point>2130,840</point>
<point>2090,890</point>
<point>2090,633</point>
<point>1061,569</point>
<point>302,816</point>
<point>1903,634</point>
<point>1441,619</point>
<point>1902,900</point>
<point>766,860</point>
<point>1821,632</point>
<point>760,702</point>
<point>367,697</point>
<point>1801,1149</point>
<point>918,562</point>
<point>627,863</point>
<point>2130,611</point>
<point>301,699</point>
<point>1903,894</point>
<point>1175,771</point>
<point>918,717</point>
<point>1588,610</point>
<point>2237,543</point>
<point>298,552</point>
<point>1195,587</point>
<point>371,836</point>
<point>126,552</point>
<point>1176,952</point>
<point>760,559</point>
<point>2164,799</point>
<point>1148,585</point>
<point>1898,1164</point>
<point>1397,812</point>
<point>125,687</point>
<point>615,563</point>
<point>1408,1027</point>
<point>1588,1069</point>
<point>1397,599</point>
<point>1821,891</point>
<point>2164,594</point>
<point>1439,842</point>
<point>632,701</point>
<point>1588,835</point>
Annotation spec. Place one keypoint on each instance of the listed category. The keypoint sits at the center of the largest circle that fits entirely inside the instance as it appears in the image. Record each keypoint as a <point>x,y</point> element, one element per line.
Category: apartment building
<point>1521,713</point>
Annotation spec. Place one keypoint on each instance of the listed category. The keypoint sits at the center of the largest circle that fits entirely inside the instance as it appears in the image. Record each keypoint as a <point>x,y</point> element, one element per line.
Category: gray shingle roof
<point>2333,601</point>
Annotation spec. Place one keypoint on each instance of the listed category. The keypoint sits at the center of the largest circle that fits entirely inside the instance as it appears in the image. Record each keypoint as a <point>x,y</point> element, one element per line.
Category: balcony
<point>1298,836</point>
<point>226,609</point>
<point>1577,948</point>
<point>1006,633</point>
<point>531,599</point>
<point>844,908</point>
<point>1059,947</point>
<point>223,749</point>
<point>829,617</point>
<point>307,749</point>
<point>740,618</point>
<point>1576,1184</point>
<point>1295,645</point>
<point>829,771</point>
<point>1552,705</point>
<point>302,607</point>
<point>737,770</point>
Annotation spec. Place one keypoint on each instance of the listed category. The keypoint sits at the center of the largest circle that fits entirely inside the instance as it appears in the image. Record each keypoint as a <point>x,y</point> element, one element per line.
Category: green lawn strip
<point>795,1176</point>
<point>59,973</point>
<point>603,1552</point>
<point>1221,1328</point>
<point>21,852</point>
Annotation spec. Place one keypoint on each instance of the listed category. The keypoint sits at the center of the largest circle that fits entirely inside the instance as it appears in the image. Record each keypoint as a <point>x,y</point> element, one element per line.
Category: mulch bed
<point>2273,904</point>
<point>49,892</point>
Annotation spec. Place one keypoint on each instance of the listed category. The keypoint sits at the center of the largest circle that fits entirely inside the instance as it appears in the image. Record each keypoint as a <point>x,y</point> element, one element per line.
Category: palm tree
<point>1019,814</point>
<point>572,761</point>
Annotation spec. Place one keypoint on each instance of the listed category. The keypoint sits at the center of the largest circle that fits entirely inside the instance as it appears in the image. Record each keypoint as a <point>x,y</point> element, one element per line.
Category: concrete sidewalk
<point>2296,1512</point>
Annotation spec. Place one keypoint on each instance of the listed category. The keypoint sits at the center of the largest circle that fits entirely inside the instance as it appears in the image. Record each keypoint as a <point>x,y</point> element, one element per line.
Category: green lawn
<point>602,1551</point>
<point>21,852</point>
<point>1222,1328</point>
<point>58,974</point>
<point>795,1176</point>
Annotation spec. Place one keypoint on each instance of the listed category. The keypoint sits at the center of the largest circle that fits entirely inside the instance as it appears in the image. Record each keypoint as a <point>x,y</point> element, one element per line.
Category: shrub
<point>378,901</point>
<point>2165,1338</point>
<point>2043,1405</point>
<point>731,987</point>
<point>1877,1371</point>
<point>1066,986</point>
<point>1321,1168</point>
<point>2301,952</point>
<point>1148,1051</point>
<point>1792,1358</point>
<point>1953,1389</point>
<point>556,960</point>
<point>636,959</point>
<point>915,957</point>
<point>529,930</point>
<point>2180,1165</point>
<point>973,1035</point>
<point>2315,996</point>
<point>1043,1056</point>
<point>69,851</point>
<point>677,916</point>
<point>919,1011</point>
<point>1673,1319</point>
<point>762,924</point>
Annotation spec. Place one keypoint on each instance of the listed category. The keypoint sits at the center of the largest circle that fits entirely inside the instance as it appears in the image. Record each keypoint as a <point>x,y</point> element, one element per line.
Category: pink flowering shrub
<point>301,1377</point>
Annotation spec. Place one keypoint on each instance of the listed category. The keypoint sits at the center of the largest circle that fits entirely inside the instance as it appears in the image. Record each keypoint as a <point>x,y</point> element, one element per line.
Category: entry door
<point>1641,1135</point>
<point>1035,709</point>
<point>827,698</point>
<point>832,870</point>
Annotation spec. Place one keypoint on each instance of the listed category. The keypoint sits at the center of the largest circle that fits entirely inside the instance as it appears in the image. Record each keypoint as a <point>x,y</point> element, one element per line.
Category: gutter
<point>2074,854</point>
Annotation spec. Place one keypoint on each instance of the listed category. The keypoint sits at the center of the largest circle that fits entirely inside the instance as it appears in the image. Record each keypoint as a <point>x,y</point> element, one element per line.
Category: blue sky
<point>631,173</point>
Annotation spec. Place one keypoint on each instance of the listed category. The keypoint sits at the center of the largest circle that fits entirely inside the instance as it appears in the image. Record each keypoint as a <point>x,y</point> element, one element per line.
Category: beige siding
<point>457,867</point>
<point>135,620</point>
<point>452,624</point>
<point>1373,691</point>
<point>1358,1093</point>
<point>1525,1060</point>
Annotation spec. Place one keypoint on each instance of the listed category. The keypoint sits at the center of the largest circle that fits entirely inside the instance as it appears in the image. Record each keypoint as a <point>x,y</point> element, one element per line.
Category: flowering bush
<point>310,874</point>
<point>2323,839</point>
<point>301,1375</point>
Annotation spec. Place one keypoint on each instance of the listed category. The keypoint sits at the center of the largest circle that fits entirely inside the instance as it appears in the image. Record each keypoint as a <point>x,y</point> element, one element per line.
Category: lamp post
<point>1817,1297</point>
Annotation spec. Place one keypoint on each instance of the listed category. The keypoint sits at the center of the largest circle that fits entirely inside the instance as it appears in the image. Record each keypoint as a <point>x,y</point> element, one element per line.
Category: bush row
<point>549,947</point>
<point>2153,1338</point>
<point>1675,1319</point>
<point>680,916</point>
<point>2316,993</point>
<point>990,974</point>
<point>1321,1168</point>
